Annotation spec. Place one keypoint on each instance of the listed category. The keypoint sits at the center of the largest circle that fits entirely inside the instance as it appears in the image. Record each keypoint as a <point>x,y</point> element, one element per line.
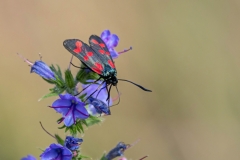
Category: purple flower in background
<point>40,68</point>
<point>102,95</point>
<point>111,41</point>
<point>56,152</point>
<point>71,109</point>
<point>72,143</point>
<point>29,157</point>
<point>117,151</point>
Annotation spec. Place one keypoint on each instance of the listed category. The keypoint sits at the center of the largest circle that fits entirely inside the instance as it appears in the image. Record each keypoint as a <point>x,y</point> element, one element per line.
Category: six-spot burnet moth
<point>97,58</point>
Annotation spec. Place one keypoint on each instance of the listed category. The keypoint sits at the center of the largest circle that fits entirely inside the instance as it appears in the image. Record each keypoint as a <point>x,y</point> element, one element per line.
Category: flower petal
<point>105,34</point>
<point>56,152</point>
<point>99,105</point>
<point>112,41</point>
<point>49,154</point>
<point>29,157</point>
<point>68,121</point>
<point>81,112</point>
<point>66,96</point>
<point>42,69</point>
<point>102,95</point>
<point>92,110</point>
<point>113,53</point>
<point>67,154</point>
<point>62,104</point>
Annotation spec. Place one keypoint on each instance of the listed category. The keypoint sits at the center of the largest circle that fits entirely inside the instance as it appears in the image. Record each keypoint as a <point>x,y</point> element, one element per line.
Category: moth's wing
<point>85,54</point>
<point>99,46</point>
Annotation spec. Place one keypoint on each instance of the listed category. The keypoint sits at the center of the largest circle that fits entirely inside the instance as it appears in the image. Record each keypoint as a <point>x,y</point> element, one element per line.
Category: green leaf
<point>69,79</point>
<point>91,120</point>
<point>83,157</point>
<point>59,139</point>
<point>84,122</point>
<point>80,128</point>
<point>83,75</point>
<point>104,157</point>
<point>51,94</point>
<point>62,127</point>
<point>59,72</point>
<point>57,89</point>
<point>41,149</point>
<point>82,97</point>
<point>51,81</point>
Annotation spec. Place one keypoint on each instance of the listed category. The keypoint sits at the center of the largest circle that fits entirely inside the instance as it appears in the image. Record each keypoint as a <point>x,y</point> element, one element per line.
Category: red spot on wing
<point>78,47</point>
<point>111,63</point>
<point>101,51</point>
<point>107,53</point>
<point>98,68</point>
<point>102,45</point>
<point>85,58</point>
<point>94,41</point>
<point>89,54</point>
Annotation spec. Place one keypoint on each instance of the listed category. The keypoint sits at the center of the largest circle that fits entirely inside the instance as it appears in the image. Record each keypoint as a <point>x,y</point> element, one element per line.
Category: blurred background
<point>186,51</point>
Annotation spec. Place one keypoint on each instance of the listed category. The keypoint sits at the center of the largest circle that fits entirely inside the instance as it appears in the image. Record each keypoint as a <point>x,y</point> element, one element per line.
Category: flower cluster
<point>78,109</point>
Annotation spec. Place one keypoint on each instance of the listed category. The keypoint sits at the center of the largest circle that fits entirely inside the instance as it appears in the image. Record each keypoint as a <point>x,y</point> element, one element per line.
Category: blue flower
<point>71,109</point>
<point>111,41</point>
<point>29,157</point>
<point>102,95</point>
<point>56,152</point>
<point>98,107</point>
<point>40,68</point>
<point>117,151</point>
<point>72,143</point>
<point>43,70</point>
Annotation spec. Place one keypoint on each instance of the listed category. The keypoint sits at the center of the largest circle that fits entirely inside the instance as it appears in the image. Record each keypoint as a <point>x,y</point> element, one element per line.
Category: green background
<point>186,51</point>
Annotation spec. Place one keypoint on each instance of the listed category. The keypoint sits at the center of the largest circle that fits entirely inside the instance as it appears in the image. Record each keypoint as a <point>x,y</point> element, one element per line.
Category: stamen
<point>143,157</point>
<point>133,144</point>
<point>58,107</point>
<point>117,97</point>
<point>40,56</point>
<point>25,60</point>
<point>125,50</point>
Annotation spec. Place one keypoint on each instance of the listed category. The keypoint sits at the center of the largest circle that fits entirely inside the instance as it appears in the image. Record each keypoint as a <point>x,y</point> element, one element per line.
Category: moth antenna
<point>70,63</point>
<point>143,157</point>
<point>46,130</point>
<point>118,97</point>
<point>87,87</point>
<point>136,85</point>
<point>125,50</point>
